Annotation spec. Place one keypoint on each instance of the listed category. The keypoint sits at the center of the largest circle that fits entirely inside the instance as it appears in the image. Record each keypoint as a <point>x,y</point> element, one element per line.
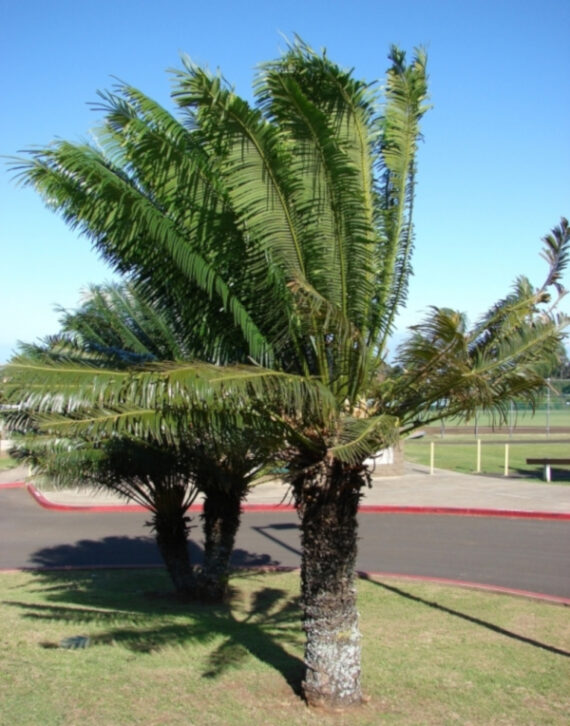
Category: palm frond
<point>118,321</point>
<point>254,164</point>
<point>148,400</point>
<point>128,228</point>
<point>450,371</point>
<point>137,470</point>
<point>329,119</point>
<point>406,103</point>
<point>360,438</point>
<point>556,252</point>
<point>31,382</point>
<point>296,93</point>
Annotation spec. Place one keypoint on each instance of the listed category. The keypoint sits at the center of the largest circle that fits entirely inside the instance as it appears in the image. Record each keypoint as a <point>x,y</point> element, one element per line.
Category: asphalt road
<point>522,554</point>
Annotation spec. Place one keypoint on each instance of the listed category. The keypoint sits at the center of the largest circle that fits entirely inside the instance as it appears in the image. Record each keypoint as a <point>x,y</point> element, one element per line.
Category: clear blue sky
<point>493,169</point>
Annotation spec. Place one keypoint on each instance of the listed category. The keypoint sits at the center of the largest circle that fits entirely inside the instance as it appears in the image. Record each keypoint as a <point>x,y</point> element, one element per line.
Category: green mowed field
<point>517,421</point>
<point>431,654</point>
<point>459,453</point>
<point>6,462</point>
<point>529,435</point>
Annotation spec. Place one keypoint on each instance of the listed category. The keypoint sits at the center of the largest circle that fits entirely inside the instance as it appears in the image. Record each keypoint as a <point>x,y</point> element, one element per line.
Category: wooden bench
<point>547,463</point>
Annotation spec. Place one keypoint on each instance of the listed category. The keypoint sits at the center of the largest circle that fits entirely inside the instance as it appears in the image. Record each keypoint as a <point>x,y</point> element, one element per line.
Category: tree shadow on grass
<point>138,610</point>
<point>469,618</point>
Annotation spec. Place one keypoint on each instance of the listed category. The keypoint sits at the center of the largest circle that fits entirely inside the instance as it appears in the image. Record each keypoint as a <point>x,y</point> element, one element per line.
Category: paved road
<point>523,554</point>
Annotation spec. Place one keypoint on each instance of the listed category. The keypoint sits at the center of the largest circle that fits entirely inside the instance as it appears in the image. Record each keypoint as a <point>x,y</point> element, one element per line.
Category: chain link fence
<point>551,415</point>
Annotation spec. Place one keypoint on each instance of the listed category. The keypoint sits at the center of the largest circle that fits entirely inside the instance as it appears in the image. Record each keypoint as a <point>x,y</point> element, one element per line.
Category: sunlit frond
<point>450,370</point>
<point>129,228</point>
<point>362,437</point>
<point>146,400</point>
<point>557,254</point>
<point>406,103</point>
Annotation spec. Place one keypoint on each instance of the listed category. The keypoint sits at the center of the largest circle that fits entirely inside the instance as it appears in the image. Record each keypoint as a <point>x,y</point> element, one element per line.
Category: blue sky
<point>493,169</point>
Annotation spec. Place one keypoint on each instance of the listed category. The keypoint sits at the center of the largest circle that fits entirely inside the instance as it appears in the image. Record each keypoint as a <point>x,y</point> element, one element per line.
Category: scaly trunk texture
<point>170,524</point>
<point>221,518</point>
<point>327,498</point>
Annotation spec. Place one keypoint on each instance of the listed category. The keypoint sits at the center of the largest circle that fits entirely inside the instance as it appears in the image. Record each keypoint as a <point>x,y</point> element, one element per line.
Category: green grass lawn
<point>6,462</point>
<point>555,418</point>
<point>459,453</point>
<point>431,654</point>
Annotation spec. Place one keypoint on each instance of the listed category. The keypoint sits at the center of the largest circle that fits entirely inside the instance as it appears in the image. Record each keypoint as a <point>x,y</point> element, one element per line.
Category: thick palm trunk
<point>172,540</point>
<point>221,519</point>
<point>170,523</point>
<point>327,501</point>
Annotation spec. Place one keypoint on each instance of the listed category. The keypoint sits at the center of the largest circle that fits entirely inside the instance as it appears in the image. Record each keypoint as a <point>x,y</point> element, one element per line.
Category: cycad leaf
<point>362,437</point>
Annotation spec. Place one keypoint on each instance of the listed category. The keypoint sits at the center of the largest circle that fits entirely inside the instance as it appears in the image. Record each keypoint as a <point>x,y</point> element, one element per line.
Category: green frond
<point>515,310</point>
<point>254,164</point>
<point>452,371</point>
<point>128,228</point>
<point>556,252</point>
<point>166,159</point>
<point>103,423</point>
<point>406,102</point>
<point>294,93</point>
<point>525,343</point>
<point>137,470</point>
<point>29,380</point>
<point>360,438</point>
<point>208,385</point>
<point>147,400</point>
<point>118,321</point>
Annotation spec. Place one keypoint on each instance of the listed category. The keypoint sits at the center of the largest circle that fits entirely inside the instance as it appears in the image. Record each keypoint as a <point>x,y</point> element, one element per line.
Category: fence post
<point>431,456</point>
<point>548,408</point>
<point>478,469</point>
<point>506,460</point>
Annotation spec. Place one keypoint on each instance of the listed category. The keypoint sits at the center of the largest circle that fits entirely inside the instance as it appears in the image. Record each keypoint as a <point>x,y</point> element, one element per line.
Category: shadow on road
<point>283,527</point>
<point>122,551</point>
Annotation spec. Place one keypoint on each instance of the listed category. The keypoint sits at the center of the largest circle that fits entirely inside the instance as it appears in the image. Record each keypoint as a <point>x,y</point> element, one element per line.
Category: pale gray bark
<point>327,499</point>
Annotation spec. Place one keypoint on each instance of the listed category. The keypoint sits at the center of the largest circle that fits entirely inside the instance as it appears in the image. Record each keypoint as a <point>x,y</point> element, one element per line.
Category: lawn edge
<point>362,575</point>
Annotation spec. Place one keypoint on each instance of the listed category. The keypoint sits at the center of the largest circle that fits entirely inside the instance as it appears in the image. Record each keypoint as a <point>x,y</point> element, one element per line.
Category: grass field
<point>432,654</point>
<point>459,453</point>
<point>518,421</point>
<point>6,462</point>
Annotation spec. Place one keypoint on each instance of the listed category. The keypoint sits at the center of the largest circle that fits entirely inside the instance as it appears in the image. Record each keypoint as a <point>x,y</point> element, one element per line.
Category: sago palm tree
<point>287,229</point>
<point>215,453</point>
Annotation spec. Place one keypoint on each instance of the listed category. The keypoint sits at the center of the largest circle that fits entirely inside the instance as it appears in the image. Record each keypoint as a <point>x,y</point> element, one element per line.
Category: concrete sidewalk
<point>416,488</point>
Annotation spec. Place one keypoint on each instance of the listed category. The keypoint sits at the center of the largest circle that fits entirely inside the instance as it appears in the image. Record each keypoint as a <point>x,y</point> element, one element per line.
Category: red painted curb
<point>13,485</point>
<point>364,509</point>
<point>464,512</point>
<point>46,504</point>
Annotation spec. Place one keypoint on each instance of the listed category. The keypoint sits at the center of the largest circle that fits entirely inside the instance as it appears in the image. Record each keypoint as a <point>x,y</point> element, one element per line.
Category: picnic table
<point>547,463</point>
